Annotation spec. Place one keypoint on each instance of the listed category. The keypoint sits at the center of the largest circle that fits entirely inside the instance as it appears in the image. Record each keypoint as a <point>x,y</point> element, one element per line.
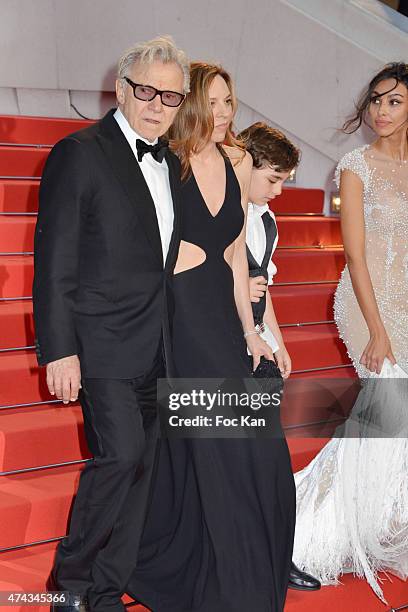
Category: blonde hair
<point>161,49</point>
<point>194,123</point>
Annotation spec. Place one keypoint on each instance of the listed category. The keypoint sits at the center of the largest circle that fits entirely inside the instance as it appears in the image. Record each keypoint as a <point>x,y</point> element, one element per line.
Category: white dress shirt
<point>256,238</point>
<point>157,178</point>
<point>256,241</point>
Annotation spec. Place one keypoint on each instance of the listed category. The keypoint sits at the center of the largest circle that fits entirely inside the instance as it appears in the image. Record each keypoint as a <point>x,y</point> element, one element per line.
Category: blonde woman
<point>224,507</point>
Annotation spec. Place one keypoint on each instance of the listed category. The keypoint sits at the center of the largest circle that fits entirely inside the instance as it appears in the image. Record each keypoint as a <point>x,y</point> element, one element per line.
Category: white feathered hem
<point>352,501</point>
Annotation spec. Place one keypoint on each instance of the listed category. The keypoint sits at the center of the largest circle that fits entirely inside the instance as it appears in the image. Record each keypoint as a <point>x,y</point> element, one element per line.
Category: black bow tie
<point>158,150</point>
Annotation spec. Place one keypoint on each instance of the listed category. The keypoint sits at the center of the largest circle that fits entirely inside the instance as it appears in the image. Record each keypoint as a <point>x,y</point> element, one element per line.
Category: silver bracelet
<point>250,333</point>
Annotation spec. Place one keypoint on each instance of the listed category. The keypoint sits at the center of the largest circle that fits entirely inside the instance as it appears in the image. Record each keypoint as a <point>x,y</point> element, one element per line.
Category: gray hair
<point>161,49</point>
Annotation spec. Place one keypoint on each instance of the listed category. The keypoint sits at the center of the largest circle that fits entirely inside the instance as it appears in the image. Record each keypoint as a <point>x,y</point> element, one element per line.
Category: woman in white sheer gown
<point>352,499</point>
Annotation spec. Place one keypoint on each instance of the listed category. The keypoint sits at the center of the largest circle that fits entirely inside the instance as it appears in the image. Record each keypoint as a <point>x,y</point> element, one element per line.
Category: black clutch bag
<point>269,376</point>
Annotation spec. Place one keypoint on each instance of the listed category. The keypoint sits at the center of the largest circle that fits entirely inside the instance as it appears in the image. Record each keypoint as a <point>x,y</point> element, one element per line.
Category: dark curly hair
<point>269,147</point>
<point>395,70</point>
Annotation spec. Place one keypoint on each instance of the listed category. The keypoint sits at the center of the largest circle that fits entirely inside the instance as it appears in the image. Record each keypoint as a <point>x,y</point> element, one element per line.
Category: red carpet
<point>38,433</point>
<point>295,200</point>
<point>304,303</point>
<point>22,161</point>
<point>317,231</point>
<point>37,130</point>
<point>18,196</point>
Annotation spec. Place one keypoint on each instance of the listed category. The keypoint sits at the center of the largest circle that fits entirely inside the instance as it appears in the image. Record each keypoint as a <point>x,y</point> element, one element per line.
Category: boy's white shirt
<point>256,238</point>
<point>256,241</point>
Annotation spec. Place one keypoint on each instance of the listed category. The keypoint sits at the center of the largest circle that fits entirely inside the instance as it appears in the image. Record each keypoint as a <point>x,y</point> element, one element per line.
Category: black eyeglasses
<point>148,93</point>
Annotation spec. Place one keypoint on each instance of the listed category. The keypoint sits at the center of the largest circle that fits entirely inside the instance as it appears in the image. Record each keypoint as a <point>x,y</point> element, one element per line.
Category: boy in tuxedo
<point>274,158</point>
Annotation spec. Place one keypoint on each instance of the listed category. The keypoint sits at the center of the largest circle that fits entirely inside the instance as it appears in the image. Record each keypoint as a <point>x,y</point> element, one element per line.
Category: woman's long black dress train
<point>219,533</point>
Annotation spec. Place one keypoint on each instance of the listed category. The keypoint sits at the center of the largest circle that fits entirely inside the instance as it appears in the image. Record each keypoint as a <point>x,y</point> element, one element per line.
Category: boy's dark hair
<point>269,147</point>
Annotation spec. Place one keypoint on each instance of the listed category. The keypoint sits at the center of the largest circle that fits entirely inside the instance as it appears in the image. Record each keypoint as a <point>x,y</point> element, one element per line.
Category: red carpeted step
<point>27,570</point>
<point>19,195</point>
<point>22,161</point>
<point>35,505</point>
<point>342,371</point>
<point>16,276</point>
<point>309,231</point>
<point>303,303</point>
<point>316,406</point>
<point>314,346</point>
<point>41,435</point>
<point>301,233</point>
<point>353,595</point>
<point>315,403</point>
<point>21,380</point>
<point>17,234</point>
<point>16,324</point>
<point>298,200</point>
<point>295,265</point>
<point>37,130</point>
<point>303,450</point>
<point>292,304</point>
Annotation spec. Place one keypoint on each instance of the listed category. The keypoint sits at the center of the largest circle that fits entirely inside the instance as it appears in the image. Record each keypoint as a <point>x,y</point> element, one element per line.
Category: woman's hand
<point>283,361</point>
<point>378,347</point>
<point>257,287</point>
<point>258,348</point>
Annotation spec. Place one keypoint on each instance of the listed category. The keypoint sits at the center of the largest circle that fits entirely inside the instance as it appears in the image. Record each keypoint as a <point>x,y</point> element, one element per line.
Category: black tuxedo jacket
<point>100,281</point>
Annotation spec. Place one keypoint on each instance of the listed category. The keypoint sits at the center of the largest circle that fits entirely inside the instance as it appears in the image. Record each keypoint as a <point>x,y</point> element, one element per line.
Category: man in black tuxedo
<point>106,241</point>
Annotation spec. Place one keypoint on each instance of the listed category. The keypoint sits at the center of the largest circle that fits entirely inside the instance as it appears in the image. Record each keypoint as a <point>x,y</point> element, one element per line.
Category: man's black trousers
<point>98,556</point>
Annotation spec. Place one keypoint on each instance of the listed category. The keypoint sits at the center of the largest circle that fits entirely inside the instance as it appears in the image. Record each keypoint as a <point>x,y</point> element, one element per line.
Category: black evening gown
<point>219,532</point>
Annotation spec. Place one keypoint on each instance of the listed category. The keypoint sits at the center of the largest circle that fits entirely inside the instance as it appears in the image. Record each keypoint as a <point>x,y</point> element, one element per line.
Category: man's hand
<point>64,378</point>
<point>257,287</point>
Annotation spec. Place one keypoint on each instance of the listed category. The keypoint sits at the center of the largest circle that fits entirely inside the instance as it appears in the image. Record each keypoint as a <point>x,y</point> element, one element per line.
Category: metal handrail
<point>300,214</point>
<point>323,368</point>
<point>29,544</point>
<point>306,323</point>
<point>26,144</point>
<point>16,299</point>
<point>18,253</point>
<point>294,283</point>
<point>20,178</point>
<point>18,214</point>
<point>310,246</point>
<point>17,348</point>
<point>30,404</point>
<point>322,422</point>
<point>40,468</point>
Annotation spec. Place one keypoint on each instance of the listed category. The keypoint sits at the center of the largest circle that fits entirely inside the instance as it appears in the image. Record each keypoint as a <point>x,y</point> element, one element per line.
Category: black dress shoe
<point>73,603</point>
<point>301,581</point>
